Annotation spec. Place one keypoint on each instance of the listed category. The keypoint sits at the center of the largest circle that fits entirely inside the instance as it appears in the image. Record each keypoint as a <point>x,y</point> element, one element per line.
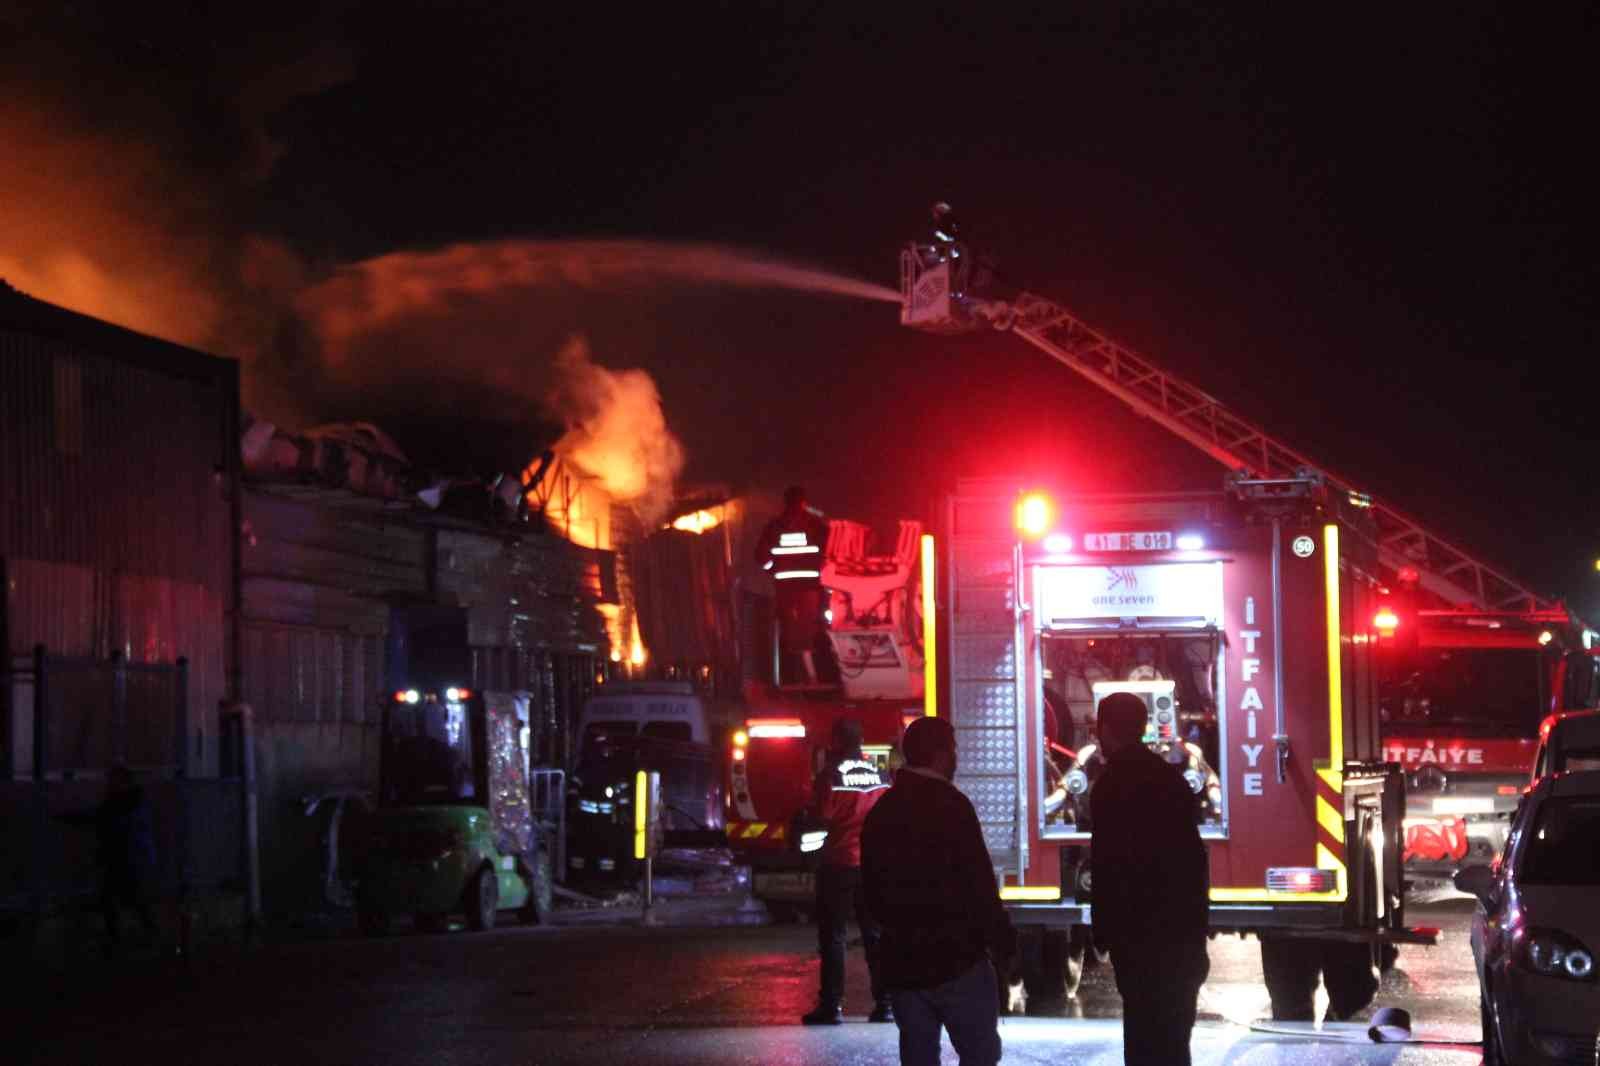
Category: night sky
<point>1369,230</point>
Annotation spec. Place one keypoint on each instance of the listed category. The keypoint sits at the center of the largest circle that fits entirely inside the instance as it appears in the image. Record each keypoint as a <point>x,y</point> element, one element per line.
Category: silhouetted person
<point>930,882</point>
<point>125,850</point>
<point>845,792</point>
<point>1150,887</point>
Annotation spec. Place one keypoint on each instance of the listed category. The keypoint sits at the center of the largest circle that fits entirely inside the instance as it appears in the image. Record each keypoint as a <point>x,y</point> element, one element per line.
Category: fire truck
<point>1461,697</point>
<point>1252,622</point>
<point>873,631</point>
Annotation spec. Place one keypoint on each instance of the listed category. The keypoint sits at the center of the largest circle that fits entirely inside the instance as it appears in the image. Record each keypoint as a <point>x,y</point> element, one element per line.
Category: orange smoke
<point>616,430</point>
<point>94,223</point>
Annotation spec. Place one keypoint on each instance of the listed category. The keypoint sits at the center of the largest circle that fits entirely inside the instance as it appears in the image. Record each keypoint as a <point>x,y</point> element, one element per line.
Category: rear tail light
<point>1301,879</point>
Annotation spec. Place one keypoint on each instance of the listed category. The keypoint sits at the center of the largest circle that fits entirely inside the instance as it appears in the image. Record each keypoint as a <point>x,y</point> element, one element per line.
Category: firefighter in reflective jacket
<point>846,790</point>
<point>792,548</point>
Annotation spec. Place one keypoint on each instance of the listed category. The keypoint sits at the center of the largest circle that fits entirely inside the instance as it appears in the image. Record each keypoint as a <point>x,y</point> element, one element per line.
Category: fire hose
<point>1389,1025</point>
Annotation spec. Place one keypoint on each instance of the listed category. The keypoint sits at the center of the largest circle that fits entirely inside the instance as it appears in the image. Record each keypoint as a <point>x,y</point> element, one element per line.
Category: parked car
<point>1537,928</point>
<point>1567,741</point>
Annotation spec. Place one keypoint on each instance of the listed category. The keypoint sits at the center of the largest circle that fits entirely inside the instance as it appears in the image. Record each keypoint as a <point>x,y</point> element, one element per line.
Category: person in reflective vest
<point>791,549</point>
<point>844,792</point>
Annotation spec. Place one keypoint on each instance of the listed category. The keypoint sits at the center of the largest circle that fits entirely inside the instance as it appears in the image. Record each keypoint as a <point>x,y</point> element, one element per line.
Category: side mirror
<point>1477,881</point>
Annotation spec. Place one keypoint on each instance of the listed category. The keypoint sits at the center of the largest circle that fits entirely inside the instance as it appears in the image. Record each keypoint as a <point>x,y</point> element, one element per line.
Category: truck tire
<point>1028,967</point>
<point>482,900</point>
<point>541,889</point>
<point>1049,979</point>
<point>1072,960</point>
<point>1289,967</point>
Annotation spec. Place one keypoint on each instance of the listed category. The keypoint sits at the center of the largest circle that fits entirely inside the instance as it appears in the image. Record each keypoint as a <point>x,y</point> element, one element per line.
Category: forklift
<point>454,831</point>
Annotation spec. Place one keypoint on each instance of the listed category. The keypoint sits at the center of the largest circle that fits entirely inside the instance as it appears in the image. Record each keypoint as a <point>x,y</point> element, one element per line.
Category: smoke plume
<point>128,170</point>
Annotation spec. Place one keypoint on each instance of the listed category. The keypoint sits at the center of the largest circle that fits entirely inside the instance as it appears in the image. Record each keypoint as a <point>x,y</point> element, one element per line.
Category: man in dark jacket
<point>845,791</point>
<point>1150,887</point>
<point>930,882</point>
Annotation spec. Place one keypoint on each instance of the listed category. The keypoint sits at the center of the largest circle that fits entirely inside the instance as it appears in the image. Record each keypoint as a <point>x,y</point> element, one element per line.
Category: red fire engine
<point>1249,621</point>
<point>1461,695</point>
<point>869,666</point>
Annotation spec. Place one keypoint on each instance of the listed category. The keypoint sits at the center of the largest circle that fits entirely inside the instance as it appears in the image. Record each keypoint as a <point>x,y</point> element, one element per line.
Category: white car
<point>1536,932</point>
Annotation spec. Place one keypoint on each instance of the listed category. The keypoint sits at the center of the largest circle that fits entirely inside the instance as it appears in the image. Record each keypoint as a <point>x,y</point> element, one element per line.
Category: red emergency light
<point>1385,622</point>
<point>1036,514</point>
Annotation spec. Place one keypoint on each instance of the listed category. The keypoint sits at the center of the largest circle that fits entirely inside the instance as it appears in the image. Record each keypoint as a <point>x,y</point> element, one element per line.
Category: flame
<point>697,521</point>
<point>616,430</point>
<point>612,614</point>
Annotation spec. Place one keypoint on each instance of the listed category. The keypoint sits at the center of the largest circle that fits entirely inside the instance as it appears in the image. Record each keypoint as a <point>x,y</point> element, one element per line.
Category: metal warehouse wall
<point>316,581</point>
<point>319,569</point>
<point>117,460</point>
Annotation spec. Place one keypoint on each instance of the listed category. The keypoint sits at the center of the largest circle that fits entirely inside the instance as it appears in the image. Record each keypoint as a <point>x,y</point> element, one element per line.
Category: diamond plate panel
<point>1001,840</point>
<point>984,613</point>
<point>995,798</point>
<point>976,704</point>
<point>983,655</point>
<point>987,751</point>
<point>982,563</point>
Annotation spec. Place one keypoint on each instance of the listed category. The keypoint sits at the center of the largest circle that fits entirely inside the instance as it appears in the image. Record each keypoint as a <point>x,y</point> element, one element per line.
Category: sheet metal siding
<point>316,585</point>
<point>522,592</point>
<point>114,513</point>
<point>318,578</point>
<point>111,467</point>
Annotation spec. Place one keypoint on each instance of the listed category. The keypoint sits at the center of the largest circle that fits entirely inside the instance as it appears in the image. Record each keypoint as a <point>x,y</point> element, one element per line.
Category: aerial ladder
<point>943,291</point>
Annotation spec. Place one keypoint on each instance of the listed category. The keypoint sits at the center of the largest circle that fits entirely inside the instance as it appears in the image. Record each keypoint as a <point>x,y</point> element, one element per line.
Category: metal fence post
<point>181,780</point>
<point>41,799</point>
<point>8,739</point>
<point>252,855</point>
<point>119,708</point>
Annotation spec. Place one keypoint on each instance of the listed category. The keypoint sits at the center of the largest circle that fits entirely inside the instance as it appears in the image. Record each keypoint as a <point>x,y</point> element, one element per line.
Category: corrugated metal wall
<point>110,466</point>
<point>316,582</point>
<point>116,458</point>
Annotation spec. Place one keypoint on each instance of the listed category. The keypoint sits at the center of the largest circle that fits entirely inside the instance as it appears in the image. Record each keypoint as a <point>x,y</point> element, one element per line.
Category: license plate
<point>1463,805</point>
<point>1128,542</point>
<point>785,886</point>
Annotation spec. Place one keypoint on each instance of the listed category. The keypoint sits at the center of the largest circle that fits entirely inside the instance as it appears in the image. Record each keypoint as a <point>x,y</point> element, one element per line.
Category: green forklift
<point>454,831</point>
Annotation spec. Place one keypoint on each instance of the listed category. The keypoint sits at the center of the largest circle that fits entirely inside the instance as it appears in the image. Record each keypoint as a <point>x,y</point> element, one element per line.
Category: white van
<point>666,710</point>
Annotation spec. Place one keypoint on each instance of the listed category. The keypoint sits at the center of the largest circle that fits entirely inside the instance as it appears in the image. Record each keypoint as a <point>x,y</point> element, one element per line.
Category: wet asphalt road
<point>594,993</point>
